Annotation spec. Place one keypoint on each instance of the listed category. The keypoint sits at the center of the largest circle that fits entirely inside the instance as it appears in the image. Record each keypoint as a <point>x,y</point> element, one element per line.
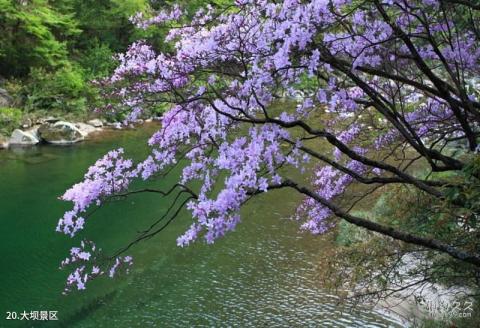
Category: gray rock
<point>60,133</point>
<point>5,99</point>
<point>34,131</point>
<point>96,123</point>
<point>86,129</point>
<point>23,138</point>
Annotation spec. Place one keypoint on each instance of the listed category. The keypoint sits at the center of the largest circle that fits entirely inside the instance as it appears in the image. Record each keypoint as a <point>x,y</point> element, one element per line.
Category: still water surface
<point>262,275</point>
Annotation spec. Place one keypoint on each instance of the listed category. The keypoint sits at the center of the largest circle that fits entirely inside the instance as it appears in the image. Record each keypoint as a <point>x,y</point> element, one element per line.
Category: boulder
<point>22,138</point>
<point>5,99</point>
<point>86,129</point>
<point>60,133</point>
<point>34,131</point>
<point>96,123</point>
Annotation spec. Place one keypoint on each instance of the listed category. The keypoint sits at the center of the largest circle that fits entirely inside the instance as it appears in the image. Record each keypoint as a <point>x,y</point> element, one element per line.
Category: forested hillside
<point>50,51</point>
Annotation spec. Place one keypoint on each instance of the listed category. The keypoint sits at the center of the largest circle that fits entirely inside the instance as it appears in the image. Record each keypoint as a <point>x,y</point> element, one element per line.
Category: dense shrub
<point>64,90</point>
<point>10,118</point>
<point>98,60</point>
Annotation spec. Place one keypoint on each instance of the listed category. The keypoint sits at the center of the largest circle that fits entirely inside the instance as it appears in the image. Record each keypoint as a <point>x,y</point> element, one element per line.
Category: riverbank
<point>59,131</point>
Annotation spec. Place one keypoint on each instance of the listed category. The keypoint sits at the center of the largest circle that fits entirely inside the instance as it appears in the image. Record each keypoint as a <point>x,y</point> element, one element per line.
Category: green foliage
<point>349,234</point>
<point>97,60</point>
<point>51,49</point>
<point>106,22</point>
<point>15,88</point>
<point>64,90</point>
<point>56,47</point>
<point>10,119</point>
<point>466,192</point>
<point>453,219</point>
<point>417,212</point>
<point>307,84</point>
<point>32,35</point>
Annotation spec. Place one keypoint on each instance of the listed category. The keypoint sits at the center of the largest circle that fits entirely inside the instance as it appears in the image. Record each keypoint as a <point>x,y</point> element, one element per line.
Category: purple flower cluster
<point>88,265</point>
<point>109,175</point>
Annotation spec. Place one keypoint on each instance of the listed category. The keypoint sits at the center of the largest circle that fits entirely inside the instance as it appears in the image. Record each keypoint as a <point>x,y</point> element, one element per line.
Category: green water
<point>262,275</point>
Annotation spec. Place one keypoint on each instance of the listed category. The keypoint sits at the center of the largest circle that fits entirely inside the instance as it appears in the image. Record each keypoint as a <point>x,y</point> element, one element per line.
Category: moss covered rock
<point>60,133</point>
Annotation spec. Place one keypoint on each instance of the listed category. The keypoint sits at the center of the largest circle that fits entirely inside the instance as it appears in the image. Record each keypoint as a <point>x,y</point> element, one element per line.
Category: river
<point>261,275</point>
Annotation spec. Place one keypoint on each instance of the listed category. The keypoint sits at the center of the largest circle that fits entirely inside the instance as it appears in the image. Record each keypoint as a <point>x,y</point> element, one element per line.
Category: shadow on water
<point>32,155</point>
<point>87,310</point>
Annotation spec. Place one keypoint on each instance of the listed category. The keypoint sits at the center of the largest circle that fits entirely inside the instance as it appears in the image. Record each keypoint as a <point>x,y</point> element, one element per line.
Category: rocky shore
<point>52,130</point>
<point>56,131</point>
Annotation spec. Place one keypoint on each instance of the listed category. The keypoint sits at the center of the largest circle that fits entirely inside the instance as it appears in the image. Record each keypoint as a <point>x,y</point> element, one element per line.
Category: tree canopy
<point>381,87</point>
<point>33,35</point>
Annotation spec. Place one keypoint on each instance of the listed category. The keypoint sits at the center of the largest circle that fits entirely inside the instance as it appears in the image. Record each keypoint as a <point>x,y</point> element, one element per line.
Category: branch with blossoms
<point>384,230</point>
<point>384,85</point>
